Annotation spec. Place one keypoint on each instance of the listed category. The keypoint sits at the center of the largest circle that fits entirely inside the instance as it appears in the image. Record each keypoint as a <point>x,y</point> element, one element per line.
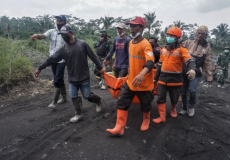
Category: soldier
<point>103,46</point>
<point>222,67</point>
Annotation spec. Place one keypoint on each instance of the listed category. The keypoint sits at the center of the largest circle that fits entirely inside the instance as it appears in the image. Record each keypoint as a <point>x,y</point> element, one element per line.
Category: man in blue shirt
<point>121,46</point>
<point>58,69</point>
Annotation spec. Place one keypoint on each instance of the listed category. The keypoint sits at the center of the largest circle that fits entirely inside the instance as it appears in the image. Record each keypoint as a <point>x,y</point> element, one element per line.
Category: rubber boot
<point>146,121</point>
<point>161,110</point>
<point>64,95</point>
<point>122,116</point>
<point>55,99</point>
<point>173,111</point>
<point>97,100</point>
<point>77,103</point>
<point>103,86</point>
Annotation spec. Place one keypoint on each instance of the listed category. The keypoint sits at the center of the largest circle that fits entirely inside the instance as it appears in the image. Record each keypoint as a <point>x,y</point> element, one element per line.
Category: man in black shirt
<point>75,53</point>
<point>156,52</point>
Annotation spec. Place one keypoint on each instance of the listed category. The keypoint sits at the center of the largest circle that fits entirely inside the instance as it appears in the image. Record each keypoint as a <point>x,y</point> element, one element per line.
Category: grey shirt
<point>75,56</point>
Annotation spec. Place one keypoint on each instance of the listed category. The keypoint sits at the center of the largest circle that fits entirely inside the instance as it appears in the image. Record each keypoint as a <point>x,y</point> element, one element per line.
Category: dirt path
<point>29,130</point>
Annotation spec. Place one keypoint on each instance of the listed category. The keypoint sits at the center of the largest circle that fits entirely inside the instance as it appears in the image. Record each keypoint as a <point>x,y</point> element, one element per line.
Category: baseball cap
<point>62,17</point>
<point>121,25</point>
<point>65,29</point>
<point>136,20</point>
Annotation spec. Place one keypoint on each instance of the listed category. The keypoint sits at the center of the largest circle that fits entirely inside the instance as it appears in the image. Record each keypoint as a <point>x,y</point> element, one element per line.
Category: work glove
<point>191,74</point>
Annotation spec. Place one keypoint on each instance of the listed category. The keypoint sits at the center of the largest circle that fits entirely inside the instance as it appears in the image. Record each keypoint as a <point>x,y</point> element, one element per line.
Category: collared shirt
<point>56,41</point>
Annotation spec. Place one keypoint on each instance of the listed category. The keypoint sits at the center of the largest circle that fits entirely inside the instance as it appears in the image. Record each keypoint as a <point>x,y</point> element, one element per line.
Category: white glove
<point>191,74</point>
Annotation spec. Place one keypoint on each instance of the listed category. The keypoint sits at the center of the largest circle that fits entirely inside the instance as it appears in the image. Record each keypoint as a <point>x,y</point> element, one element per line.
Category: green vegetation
<point>18,52</point>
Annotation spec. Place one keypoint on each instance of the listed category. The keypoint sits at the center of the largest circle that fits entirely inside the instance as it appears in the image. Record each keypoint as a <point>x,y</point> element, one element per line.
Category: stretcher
<point>114,85</point>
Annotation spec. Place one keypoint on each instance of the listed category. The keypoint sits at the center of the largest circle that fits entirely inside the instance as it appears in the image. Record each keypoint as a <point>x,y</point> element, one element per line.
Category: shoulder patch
<point>150,54</point>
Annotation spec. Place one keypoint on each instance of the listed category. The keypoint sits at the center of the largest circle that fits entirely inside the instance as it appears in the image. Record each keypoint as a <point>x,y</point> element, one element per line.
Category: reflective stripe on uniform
<point>171,84</point>
<point>136,57</point>
<point>170,71</point>
<point>174,54</point>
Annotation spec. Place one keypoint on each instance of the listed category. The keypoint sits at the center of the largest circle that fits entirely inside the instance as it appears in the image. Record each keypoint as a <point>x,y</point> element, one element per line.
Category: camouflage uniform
<point>222,67</point>
<point>107,44</point>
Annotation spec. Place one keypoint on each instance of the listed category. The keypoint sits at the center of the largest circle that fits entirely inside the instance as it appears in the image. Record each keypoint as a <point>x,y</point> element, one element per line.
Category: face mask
<point>66,38</point>
<point>121,34</point>
<point>170,40</point>
<point>226,51</point>
<point>60,25</point>
<point>133,37</point>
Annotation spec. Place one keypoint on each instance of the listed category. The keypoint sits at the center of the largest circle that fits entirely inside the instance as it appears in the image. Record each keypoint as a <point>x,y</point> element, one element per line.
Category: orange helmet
<point>175,31</point>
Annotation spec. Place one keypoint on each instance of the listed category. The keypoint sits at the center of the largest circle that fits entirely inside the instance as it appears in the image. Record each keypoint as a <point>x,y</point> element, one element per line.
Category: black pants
<point>121,72</point>
<point>58,72</point>
<point>174,93</point>
<point>126,96</point>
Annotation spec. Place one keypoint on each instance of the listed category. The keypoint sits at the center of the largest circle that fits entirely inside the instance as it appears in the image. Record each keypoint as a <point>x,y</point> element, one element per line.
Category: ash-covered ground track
<point>29,130</point>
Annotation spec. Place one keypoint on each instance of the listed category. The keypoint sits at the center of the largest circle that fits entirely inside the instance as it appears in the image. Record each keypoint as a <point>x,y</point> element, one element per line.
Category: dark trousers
<point>126,96</point>
<point>190,86</point>
<point>121,72</point>
<point>58,73</point>
<point>162,90</point>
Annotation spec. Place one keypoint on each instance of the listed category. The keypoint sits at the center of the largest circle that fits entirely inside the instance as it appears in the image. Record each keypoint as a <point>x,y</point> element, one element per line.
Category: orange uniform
<point>139,54</point>
<point>171,64</point>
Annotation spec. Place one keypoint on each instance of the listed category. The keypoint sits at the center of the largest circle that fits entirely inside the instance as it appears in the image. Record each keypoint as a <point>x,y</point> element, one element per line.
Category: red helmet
<point>175,31</point>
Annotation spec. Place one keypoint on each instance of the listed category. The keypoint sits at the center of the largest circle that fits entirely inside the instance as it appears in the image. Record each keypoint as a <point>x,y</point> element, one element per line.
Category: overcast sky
<point>202,12</point>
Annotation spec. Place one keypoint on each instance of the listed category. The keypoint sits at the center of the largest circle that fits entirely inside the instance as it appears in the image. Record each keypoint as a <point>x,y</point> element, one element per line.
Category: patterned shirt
<point>222,61</point>
<point>56,41</point>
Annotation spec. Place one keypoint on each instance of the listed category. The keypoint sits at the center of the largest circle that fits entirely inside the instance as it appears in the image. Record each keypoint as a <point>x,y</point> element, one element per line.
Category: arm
<point>208,65</point>
<point>96,43</point>
<point>111,52</point>
<point>37,36</point>
<point>188,60</point>
<point>92,56</point>
<point>55,58</point>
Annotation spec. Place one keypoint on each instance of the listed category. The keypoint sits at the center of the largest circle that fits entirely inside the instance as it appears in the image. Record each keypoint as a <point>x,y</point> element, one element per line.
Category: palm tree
<point>156,32</point>
<point>180,25</point>
<point>221,33</point>
<point>150,22</point>
<point>107,22</point>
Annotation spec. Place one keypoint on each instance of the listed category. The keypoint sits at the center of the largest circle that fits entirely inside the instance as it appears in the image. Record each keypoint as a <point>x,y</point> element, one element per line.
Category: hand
<point>138,80</point>
<point>155,82</point>
<point>104,62</point>
<point>191,74</point>
<point>34,37</point>
<point>37,72</point>
<point>101,71</point>
<point>101,39</point>
<point>214,69</point>
<point>113,67</point>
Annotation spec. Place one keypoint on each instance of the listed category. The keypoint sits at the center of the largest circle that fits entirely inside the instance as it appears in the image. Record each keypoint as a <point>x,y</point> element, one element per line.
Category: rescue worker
<point>103,46</point>
<point>200,50</point>
<point>169,72</point>
<point>156,51</point>
<point>121,47</point>
<point>222,62</point>
<point>75,52</point>
<point>58,69</point>
<point>140,79</point>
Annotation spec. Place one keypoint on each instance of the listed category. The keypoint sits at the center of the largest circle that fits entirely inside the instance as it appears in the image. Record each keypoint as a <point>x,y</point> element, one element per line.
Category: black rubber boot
<point>64,95</point>
<point>55,99</point>
<point>77,103</point>
<point>98,100</point>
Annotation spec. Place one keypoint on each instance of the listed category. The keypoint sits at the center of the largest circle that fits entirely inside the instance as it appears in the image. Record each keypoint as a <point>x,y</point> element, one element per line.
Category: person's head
<point>201,33</point>
<point>103,33</point>
<point>60,21</point>
<point>226,50</point>
<point>137,26</point>
<point>153,41</point>
<point>121,28</point>
<point>173,35</point>
<point>66,33</point>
